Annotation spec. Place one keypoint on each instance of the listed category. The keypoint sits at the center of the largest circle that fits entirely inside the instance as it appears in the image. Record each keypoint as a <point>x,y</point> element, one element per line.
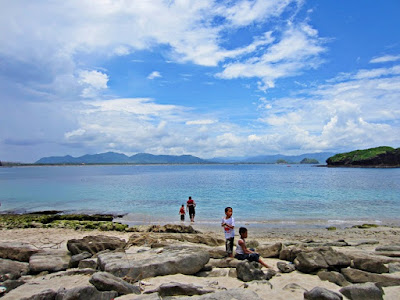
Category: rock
<point>388,248</point>
<point>176,288</point>
<point>285,267</point>
<point>218,272</point>
<point>84,293</point>
<point>370,265</point>
<point>319,293</point>
<point>75,259</point>
<point>12,284</point>
<point>248,271</point>
<point>363,291</point>
<point>104,281</point>
<point>233,294</point>
<point>394,267</point>
<point>10,269</point>
<point>261,283</point>
<point>335,259</point>
<point>48,294</point>
<point>388,253</point>
<point>170,261</point>
<point>355,243</point>
<point>216,253</point>
<point>270,250</point>
<point>289,253</point>
<point>172,228</point>
<point>224,263</point>
<point>49,260</point>
<point>17,251</point>
<point>358,276</point>
<point>292,287</point>
<point>88,263</point>
<point>309,262</point>
<point>334,277</point>
<point>94,244</point>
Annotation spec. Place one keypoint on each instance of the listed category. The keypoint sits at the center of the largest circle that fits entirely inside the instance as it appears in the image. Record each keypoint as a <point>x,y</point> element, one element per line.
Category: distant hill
<point>271,159</point>
<point>118,158</point>
<point>373,157</point>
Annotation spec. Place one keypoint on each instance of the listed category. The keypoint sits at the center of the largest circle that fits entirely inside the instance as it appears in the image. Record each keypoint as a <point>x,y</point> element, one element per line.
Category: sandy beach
<point>382,235</point>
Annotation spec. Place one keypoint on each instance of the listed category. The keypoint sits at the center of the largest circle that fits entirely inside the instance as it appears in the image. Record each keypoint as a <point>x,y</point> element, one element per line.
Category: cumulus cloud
<point>385,58</point>
<point>154,74</point>
<point>93,82</point>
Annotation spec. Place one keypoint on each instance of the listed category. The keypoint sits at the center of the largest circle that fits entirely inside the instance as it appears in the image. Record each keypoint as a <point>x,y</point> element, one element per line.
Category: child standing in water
<point>228,222</point>
<point>182,212</point>
<point>243,253</point>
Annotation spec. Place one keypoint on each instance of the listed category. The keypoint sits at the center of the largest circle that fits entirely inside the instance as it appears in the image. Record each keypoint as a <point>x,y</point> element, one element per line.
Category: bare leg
<point>264,264</point>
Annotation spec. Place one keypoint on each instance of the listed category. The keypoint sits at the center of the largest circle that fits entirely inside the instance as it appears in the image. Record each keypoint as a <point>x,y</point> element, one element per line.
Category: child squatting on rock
<point>243,253</point>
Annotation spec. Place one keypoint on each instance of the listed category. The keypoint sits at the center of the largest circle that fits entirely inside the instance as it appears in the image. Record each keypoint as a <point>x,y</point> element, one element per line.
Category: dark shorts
<point>229,245</point>
<point>249,257</point>
<point>191,211</point>
<point>182,217</point>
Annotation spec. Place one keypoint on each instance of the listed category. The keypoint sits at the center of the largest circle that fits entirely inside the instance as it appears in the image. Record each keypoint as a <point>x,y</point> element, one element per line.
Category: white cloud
<point>200,122</point>
<point>154,74</point>
<point>93,82</point>
<point>385,58</point>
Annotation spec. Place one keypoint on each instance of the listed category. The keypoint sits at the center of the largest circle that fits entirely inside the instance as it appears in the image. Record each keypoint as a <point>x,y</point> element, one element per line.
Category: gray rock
<point>388,253</point>
<point>334,277</point>
<point>355,243</point>
<point>233,294</point>
<point>285,267</point>
<point>12,284</point>
<point>248,271</point>
<point>370,265</point>
<point>10,269</point>
<point>84,293</point>
<point>88,263</point>
<point>289,253</point>
<point>394,267</point>
<point>363,291</point>
<point>17,251</point>
<point>104,281</point>
<point>94,244</point>
<point>217,272</point>
<point>176,288</point>
<point>48,294</point>
<point>270,250</point>
<point>49,260</point>
<point>168,262</point>
<point>319,293</point>
<point>224,263</point>
<point>358,276</point>
<point>388,248</point>
<point>75,259</point>
<point>309,262</point>
<point>140,297</point>
<point>334,258</point>
<point>292,287</point>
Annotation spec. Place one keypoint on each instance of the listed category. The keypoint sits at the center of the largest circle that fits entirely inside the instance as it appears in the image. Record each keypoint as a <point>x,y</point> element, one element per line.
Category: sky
<point>205,78</point>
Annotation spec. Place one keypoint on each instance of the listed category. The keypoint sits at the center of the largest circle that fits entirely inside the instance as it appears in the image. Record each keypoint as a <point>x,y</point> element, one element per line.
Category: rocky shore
<point>189,262</point>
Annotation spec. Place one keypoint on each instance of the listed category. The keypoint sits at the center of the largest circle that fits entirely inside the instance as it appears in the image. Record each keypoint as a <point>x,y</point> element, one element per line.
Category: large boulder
<point>167,262</point>
<point>370,265</point>
<point>95,244</point>
<point>104,281</point>
<point>248,271</point>
<point>319,293</point>
<point>289,253</point>
<point>17,251</point>
<point>334,259</point>
<point>362,291</point>
<point>49,260</point>
<point>269,250</point>
<point>358,276</point>
<point>309,262</point>
<point>10,269</point>
<point>334,277</point>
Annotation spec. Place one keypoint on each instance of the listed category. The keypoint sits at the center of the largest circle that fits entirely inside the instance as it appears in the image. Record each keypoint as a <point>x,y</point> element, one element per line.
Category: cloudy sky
<point>207,78</point>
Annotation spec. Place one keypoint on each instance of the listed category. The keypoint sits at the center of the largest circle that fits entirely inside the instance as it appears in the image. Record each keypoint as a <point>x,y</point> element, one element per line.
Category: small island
<point>381,157</point>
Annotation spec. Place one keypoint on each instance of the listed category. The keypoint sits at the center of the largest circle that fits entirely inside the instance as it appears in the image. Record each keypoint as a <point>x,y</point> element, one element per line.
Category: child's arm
<point>243,245</point>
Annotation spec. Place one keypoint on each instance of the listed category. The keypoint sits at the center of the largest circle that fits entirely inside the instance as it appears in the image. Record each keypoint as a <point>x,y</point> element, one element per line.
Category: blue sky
<point>207,78</point>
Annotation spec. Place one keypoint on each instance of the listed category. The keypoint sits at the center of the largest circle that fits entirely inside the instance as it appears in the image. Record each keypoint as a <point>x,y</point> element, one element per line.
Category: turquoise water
<point>263,194</point>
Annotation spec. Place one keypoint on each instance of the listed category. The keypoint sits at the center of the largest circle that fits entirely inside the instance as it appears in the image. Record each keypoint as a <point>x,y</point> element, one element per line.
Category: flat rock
<point>95,244</point>
<point>362,291</point>
<point>169,261</point>
<point>176,288</point>
<point>75,259</point>
<point>10,269</point>
<point>334,277</point>
<point>319,293</point>
<point>49,260</point>
<point>104,281</point>
<point>270,250</point>
<point>359,276</point>
<point>17,251</point>
<point>233,294</point>
<point>84,293</point>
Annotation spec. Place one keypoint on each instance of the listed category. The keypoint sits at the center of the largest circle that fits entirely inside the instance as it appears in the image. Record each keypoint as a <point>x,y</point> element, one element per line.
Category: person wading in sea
<point>190,205</point>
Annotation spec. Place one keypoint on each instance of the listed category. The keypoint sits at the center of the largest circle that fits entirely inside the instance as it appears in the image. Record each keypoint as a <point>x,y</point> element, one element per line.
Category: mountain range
<point>146,158</point>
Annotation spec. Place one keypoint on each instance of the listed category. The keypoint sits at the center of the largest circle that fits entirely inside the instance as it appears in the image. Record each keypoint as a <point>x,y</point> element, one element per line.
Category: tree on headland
<point>281,161</point>
<point>309,161</point>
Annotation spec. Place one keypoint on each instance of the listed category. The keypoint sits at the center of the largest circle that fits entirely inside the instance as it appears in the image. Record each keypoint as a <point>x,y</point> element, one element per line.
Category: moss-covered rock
<point>365,226</point>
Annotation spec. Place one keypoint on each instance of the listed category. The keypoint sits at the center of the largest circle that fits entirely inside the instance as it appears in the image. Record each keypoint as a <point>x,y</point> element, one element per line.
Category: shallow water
<point>264,195</point>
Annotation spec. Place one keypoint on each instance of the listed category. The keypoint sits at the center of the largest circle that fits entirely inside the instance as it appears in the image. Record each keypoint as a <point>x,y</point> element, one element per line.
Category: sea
<point>268,195</point>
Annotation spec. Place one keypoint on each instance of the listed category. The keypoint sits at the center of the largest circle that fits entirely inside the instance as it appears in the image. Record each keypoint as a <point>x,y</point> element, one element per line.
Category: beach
<point>284,286</point>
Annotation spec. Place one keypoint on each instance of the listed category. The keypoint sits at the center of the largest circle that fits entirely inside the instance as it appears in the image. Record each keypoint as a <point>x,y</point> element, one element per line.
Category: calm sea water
<point>259,194</point>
